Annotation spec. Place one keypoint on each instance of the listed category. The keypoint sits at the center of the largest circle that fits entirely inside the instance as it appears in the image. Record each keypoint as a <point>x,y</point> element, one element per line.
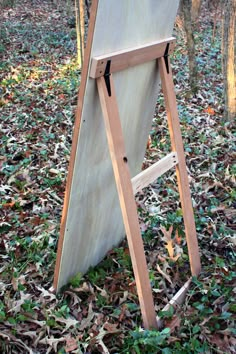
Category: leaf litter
<point>99,312</point>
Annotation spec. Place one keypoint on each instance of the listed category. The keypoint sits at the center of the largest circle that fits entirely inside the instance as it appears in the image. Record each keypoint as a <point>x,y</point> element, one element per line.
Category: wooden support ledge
<point>176,301</point>
<point>130,57</point>
<point>144,178</point>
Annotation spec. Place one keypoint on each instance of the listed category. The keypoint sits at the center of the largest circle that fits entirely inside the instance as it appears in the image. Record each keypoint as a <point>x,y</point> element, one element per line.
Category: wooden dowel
<point>177,299</point>
<point>144,178</point>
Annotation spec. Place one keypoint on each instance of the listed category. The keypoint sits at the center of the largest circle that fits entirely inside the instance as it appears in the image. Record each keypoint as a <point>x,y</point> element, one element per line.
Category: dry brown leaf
<point>102,291</point>
<point>209,110</point>
<point>170,249</point>
<point>167,233</point>
<point>219,342</point>
<point>45,294</point>
<point>69,322</point>
<point>169,242</point>
<point>31,334</point>
<point>38,323</point>
<point>86,287</point>
<point>87,321</point>
<point>173,323</point>
<point>102,332</point>
<point>178,238</point>
<point>124,298</point>
<point>16,305</point>
<point>9,205</point>
<point>53,342</point>
<point>166,276</point>
<point>217,209</point>
<point>214,185</point>
<point>104,348</point>
<point>111,327</point>
<point>230,213</point>
<point>2,160</point>
<point>19,342</point>
<point>71,344</point>
<point>14,282</point>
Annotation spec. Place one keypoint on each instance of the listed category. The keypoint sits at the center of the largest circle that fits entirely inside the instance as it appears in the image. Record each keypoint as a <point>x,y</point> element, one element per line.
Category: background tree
<point>195,9</point>
<point>187,8</point>
<point>228,58</point>
<point>80,30</point>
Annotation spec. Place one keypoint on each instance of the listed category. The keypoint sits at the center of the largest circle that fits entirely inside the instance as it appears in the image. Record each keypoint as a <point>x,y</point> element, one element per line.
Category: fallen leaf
<point>54,171</point>
<point>168,240</point>
<point>166,276</point>
<point>173,324</point>
<point>178,238</point>
<point>110,327</point>
<point>124,298</point>
<point>209,110</point>
<point>69,322</point>
<point>9,205</point>
<point>71,344</point>
<point>15,340</point>
<point>46,294</point>
<point>53,342</point>
<point>149,142</point>
<point>170,249</point>
<point>219,342</point>
<point>87,321</point>
<point>16,305</point>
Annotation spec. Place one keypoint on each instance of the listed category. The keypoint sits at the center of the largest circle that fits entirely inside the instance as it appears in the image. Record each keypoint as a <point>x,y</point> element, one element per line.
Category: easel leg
<point>182,176</point>
<point>127,201</point>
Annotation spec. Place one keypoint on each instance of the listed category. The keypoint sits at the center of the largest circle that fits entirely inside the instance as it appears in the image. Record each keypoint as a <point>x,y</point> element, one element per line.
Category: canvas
<point>91,222</point>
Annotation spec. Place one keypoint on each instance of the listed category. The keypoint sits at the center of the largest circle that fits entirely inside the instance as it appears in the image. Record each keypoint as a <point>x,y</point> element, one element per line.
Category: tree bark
<point>228,59</point>
<point>78,36</point>
<point>82,26</point>
<point>80,30</point>
<point>195,10</point>
<point>186,7</point>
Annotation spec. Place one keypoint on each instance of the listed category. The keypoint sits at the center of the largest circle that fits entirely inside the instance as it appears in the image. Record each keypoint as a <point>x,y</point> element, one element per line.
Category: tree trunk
<point>80,25</point>
<point>195,10</point>
<point>193,74</point>
<point>228,59</point>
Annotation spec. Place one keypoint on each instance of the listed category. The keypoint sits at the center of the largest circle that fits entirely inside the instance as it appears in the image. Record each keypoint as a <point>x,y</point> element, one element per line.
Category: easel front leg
<point>182,176</point>
<point>127,202</point>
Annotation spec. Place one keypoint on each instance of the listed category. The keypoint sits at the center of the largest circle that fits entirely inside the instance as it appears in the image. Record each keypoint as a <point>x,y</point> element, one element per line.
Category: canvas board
<point>91,221</point>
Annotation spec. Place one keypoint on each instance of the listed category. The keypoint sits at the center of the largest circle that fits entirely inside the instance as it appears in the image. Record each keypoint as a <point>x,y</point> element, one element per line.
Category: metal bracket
<point>166,54</point>
<point>107,77</point>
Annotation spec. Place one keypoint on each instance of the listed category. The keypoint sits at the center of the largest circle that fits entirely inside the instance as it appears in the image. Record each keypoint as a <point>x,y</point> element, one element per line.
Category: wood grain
<point>122,175</point>
<point>181,171</point>
<point>92,221</point>
<point>84,75</point>
<point>144,178</point>
<point>176,301</point>
<point>130,57</point>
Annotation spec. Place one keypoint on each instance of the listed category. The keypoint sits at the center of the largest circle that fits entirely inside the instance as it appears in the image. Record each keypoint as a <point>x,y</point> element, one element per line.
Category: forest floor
<point>99,313</point>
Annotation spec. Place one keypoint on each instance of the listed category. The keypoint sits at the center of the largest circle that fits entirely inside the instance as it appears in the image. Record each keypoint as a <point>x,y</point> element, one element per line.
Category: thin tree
<point>186,9</point>
<point>80,24</point>
<point>228,59</point>
<point>195,9</point>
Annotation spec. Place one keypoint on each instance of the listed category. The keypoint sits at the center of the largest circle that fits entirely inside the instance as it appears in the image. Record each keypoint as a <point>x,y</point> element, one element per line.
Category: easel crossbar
<point>130,57</point>
<point>146,177</point>
<point>177,300</point>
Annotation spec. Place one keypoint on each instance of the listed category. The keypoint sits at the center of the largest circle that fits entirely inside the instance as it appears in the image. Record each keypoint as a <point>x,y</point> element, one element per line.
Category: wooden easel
<point>102,69</point>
